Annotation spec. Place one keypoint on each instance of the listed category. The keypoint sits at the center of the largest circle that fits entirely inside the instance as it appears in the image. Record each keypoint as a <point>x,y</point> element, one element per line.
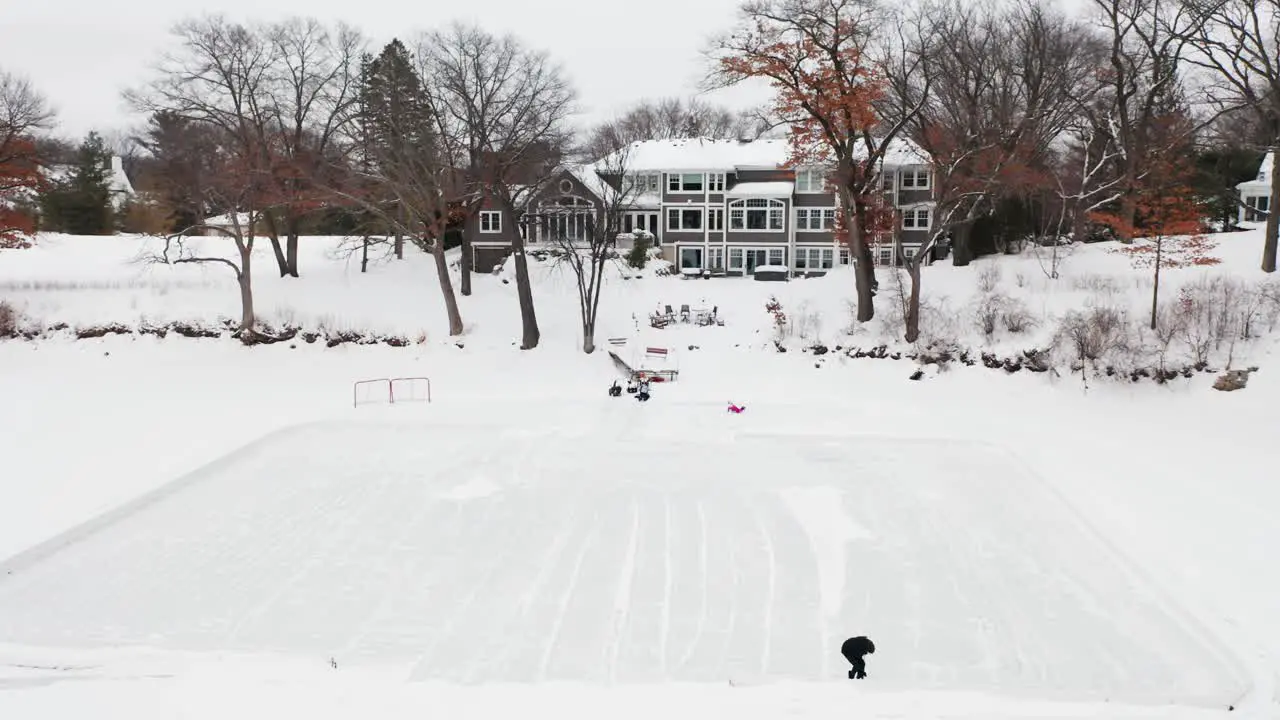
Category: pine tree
<point>81,203</point>
<point>394,117</point>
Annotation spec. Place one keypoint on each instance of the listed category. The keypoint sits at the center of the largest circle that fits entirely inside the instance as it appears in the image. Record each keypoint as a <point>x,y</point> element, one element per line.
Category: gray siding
<point>824,200</point>
<point>778,175</point>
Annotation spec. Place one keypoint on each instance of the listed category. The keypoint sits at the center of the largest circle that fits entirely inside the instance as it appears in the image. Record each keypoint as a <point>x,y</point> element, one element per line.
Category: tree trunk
<point>961,250</point>
<point>364,254</point>
<point>245,279</point>
<point>466,264</point>
<point>528,317</point>
<point>400,237</point>
<point>291,246</point>
<point>1155,288</point>
<point>446,287</point>
<point>273,231</point>
<point>864,271</point>
<point>1273,218</point>
<point>912,316</point>
<point>589,336</point>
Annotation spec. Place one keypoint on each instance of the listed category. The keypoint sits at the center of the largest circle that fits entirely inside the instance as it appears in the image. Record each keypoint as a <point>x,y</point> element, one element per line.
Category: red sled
<point>736,409</point>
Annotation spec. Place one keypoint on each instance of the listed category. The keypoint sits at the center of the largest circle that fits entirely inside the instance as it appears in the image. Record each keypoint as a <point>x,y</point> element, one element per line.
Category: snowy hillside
<point>195,528</point>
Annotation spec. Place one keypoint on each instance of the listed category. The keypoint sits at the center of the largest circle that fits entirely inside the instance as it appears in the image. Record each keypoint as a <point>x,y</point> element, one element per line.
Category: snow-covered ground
<point>1015,546</point>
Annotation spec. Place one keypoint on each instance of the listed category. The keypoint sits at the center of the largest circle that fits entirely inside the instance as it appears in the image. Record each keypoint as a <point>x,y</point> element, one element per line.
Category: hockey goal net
<point>390,391</point>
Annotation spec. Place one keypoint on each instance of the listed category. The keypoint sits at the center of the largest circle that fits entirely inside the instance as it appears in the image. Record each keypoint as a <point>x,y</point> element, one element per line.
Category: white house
<point>121,189</point>
<point>1255,194</point>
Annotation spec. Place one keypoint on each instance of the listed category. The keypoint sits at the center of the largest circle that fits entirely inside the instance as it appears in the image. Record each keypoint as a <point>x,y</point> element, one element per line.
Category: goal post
<point>410,389</point>
<point>390,391</point>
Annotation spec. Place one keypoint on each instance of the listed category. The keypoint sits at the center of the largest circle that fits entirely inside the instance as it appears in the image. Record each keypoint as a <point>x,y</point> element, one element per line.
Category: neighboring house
<point>719,206</point>
<point>121,189</point>
<point>1255,195</point>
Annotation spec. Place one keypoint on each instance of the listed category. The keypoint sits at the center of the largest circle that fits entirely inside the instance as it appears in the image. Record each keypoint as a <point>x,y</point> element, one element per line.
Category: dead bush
<point>987,313</point>
<point>1017,318</point>
<point>1096,337</point>
<point>989,278</point>
<point>1097,284</point>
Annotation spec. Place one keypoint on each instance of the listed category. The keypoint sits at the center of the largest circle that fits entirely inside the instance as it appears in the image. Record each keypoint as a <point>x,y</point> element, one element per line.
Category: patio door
<point>756,258</point>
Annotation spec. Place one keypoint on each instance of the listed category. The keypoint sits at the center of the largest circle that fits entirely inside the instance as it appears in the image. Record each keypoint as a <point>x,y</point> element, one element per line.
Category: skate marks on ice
<point>483,555</point>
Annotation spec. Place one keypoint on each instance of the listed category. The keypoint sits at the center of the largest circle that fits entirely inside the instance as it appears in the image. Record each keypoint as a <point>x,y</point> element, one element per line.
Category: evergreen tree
<point>394,121</point>
<point>395,117</point>
<point>81,203</point>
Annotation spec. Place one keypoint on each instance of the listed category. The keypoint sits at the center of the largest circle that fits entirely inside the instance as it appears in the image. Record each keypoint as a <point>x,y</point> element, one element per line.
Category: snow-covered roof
<point>1260,185</point>
<point>691,154</point>
<point>591,180</point>
<point>705,154</point>
<point>762,189</point>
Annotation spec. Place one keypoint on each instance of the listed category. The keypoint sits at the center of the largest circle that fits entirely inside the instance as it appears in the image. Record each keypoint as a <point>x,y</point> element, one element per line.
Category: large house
<point>724,207</point>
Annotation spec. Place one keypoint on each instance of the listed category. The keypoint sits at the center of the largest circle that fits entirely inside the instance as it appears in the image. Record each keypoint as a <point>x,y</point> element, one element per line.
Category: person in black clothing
<point>853,649</point>
<point>643,393</point>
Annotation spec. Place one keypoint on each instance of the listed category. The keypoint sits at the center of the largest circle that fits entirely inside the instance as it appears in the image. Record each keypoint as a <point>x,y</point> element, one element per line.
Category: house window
<point>844,256</point>
<point>645,182</point>
<point>777,256</point>
<point>811,180</point>
<point>565,219</point>
<point>917,219</point>
<point>684,182</point>
<point>885,254</point>
<point>814,258</point>
<point>716,219</point>
<point>811,219</point>
<point>691,258</point>
<point>490,221</point>
<point>679,219</point>
<point>715,259</point>
<point>715,182</point>
<point>735,258</point>
<point>756,214</point>
<point>566,186</point>
<point>908,252</point>
<point>915,179</point>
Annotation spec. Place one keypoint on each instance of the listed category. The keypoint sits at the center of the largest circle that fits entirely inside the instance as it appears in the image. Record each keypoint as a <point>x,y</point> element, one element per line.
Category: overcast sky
<point>82,53</point>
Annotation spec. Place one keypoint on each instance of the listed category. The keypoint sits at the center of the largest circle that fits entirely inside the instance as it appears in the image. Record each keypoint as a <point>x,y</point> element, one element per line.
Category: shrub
<point>988,312</point>
<point>639,254</point>
<point>9,320</point>
<point>989,278</point>
<point>1016,317</point>
<point>1100,333</point>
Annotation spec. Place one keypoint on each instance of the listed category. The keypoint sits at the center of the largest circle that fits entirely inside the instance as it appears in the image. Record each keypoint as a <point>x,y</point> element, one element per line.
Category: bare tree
<point>281,92</point>
<point>238,182</point>
<point>1238,42</point>
<point>588,238</point>
<point>501,111</point>
<point>1141,82</point>
<point>313,84</point>
<point>670,118</point>
<point>220,77</point>
<point>23,112</point>
<point>1004,80</point>
<point>827,61</point>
